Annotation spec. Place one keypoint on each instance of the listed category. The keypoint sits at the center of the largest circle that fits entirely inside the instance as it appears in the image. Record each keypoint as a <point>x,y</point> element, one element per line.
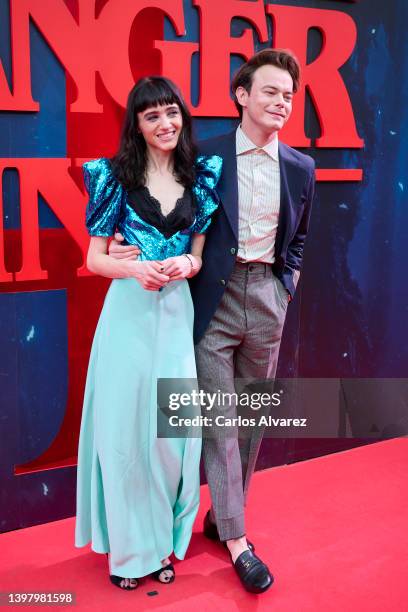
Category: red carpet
<point>334,531</point>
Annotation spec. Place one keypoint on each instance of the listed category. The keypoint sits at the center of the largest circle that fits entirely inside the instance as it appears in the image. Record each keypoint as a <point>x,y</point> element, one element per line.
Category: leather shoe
<point>211,532</point>
<point>253,573</point>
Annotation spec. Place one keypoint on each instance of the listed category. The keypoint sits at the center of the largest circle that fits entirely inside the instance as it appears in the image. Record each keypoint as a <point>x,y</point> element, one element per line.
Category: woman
<point>137,495</point>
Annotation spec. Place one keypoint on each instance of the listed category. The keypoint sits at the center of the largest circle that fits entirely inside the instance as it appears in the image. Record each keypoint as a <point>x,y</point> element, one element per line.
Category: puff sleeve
<point>208,172</point>
<point>105,198</point>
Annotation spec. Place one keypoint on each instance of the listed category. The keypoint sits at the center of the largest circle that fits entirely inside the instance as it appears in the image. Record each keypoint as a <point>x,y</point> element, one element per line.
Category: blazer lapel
<point>228,186</point>
<point>289,184</point>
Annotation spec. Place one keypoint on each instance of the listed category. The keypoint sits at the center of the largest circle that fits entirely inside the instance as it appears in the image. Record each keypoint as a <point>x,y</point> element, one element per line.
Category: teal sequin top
<point>109,209</point>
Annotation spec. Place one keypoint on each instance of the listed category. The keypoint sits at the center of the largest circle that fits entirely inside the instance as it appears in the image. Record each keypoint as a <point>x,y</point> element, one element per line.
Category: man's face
<point>268,105</point>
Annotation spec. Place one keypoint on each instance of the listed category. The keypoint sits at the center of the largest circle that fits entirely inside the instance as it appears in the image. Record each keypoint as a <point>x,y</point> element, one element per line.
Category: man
<point>251,262</point>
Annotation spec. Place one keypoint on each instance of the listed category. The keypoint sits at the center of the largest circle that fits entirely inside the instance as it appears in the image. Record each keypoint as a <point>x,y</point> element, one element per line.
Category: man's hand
<point>119,251</point>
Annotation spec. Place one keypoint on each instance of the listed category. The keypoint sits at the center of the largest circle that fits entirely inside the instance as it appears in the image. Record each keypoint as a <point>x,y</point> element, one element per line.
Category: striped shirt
<point>258,198</point>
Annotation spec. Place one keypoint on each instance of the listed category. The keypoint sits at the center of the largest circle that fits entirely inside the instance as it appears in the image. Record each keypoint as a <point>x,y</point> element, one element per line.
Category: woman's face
<point>161,126</point>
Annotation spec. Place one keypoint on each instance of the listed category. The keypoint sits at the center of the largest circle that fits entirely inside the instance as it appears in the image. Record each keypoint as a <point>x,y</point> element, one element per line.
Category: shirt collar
<point>244,144</point>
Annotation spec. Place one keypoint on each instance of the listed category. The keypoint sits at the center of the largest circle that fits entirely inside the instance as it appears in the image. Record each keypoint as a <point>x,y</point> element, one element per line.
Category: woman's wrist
<point>132,268</point>
<point>195,263</point>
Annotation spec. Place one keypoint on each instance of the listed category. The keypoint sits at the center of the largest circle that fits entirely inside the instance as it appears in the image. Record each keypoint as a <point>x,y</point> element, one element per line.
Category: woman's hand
<point>150,274</point>
<point>181,266</point>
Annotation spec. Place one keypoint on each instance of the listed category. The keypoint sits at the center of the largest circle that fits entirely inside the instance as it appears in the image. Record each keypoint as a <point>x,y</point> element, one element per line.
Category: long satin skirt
<point>137,495</point>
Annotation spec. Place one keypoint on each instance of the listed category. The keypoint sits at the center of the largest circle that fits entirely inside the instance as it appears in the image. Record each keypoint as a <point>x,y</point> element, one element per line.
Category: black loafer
<point>211,532</point>
<point>253,573</point>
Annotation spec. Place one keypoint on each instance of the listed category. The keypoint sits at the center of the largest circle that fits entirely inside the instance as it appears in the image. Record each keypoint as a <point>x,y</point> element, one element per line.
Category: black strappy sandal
<point>117,581</point>
<point>165,579</point>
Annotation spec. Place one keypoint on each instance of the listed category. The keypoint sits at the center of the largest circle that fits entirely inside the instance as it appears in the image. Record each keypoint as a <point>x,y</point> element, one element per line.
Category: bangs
<point>130,162</point>
<point>154,91</point>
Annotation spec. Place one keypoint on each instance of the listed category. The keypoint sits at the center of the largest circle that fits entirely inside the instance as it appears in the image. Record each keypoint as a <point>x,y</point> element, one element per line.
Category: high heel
<point>164,579</point>
<point>117,581</point>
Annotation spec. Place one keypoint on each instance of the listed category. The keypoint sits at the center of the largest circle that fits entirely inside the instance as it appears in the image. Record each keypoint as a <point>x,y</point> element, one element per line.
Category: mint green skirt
<point>137,495</point>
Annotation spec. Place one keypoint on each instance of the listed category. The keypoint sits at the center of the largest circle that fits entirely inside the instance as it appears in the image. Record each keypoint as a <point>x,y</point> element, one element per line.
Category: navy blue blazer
<point>297,177</point>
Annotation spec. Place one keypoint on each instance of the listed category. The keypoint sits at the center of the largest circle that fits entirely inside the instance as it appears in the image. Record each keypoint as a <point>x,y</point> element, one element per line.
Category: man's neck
<point>259,137</point>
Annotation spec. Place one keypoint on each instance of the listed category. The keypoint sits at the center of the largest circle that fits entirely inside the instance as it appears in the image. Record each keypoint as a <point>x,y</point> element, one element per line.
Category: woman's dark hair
<point>281,58</point>
<point>129,165</point>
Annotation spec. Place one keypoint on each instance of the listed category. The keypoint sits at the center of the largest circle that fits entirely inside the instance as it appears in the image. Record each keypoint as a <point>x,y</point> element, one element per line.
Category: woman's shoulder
<point>208,170</point>
<point>98,174</point>
<point>101,164</point>
<point>105,197</point>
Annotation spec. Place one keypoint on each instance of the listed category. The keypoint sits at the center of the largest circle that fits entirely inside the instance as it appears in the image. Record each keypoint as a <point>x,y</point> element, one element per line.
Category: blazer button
<point>222,281</point>
<point>233,251</point>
